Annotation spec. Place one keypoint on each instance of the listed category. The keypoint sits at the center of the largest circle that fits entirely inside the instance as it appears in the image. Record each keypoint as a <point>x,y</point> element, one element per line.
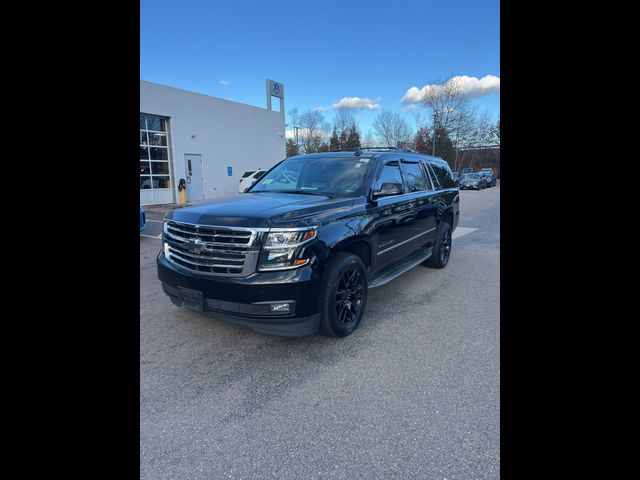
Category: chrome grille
<point>211,250</point>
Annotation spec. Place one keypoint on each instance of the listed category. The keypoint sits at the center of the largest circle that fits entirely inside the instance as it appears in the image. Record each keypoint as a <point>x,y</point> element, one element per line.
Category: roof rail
<point>358,150</point>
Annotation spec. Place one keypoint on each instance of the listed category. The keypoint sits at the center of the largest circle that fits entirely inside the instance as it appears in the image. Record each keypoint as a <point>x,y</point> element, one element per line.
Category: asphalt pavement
<point>414,392</point>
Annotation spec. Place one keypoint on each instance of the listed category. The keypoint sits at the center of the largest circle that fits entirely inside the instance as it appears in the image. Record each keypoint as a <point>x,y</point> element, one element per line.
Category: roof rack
<point>358,150</point>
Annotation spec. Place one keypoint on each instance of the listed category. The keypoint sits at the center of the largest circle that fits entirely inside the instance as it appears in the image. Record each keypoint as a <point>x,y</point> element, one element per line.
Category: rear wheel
<point>344,295</point>
<point>442,249</point>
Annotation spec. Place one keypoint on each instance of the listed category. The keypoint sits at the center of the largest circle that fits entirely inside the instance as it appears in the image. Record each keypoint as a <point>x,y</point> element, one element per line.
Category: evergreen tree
<point>334,142</point>
<point>343,139</point>
<point>422,141</point>
<point>292,148</point>
<point>444,146</point>
<point>353,140</point>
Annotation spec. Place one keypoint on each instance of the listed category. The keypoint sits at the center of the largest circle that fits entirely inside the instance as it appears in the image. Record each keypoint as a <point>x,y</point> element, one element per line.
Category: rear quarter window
<point>443,175</point>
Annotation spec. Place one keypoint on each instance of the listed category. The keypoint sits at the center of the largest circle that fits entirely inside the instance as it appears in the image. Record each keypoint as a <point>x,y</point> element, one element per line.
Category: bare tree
<point>445,100</point>
<point>343,121</point>
<point>496,131</point>
<point>314,130</point>
<point>368,140</point>
<point>392,129</point>
<point>480,133</point>
<point>294,123</point>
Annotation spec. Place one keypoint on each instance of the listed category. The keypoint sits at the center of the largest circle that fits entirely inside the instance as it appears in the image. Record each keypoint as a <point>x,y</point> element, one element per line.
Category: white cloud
<point>470,86</point>
<point>356,103</point>
<point>321,108</point>
<point>224,83</point>
<point>410,108</point>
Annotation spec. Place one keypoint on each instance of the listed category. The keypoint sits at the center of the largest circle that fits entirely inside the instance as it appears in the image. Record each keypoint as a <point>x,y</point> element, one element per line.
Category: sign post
<point>275,89</point>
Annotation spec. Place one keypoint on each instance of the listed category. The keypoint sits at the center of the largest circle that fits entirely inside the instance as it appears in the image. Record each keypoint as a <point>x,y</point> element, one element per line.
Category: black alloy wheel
<point>445,247</point>
<point>344,295</point>
<point>348,297</point>
<point>442,248</point>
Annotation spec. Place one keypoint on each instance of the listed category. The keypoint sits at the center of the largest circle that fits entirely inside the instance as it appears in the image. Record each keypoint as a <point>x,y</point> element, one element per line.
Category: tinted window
<point>337,176</point>
<point>390,174</point>
<point>443,175</point>
<point>415,177</point>
<point>247,173</point>
<point>260,174</point>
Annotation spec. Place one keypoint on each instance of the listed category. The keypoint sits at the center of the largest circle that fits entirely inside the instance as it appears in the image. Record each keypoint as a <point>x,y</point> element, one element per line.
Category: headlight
<point>285,249</point>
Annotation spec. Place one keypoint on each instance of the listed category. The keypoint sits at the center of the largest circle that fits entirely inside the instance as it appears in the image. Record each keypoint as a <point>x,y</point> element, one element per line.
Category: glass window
<point>158,139</point>
<point>161,182</point>
<point>154,153</point>
<point>432,175</point>
<point>415,177</point>
<point>332,176</point>
<point>390,174</point>
<point>144,168</point>
<point>160,168</point>
<point>145,182</point>
<point>247,173</point>
<point>157,124</point>
<point>158,153</point>
<point>443,175</point>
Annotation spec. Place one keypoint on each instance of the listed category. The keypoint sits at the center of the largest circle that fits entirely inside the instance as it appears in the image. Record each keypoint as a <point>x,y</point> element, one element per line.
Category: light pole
<point>296,133</point>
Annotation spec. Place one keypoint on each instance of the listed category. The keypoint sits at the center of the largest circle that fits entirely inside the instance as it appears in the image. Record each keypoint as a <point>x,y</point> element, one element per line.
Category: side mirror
<point>388,189</point>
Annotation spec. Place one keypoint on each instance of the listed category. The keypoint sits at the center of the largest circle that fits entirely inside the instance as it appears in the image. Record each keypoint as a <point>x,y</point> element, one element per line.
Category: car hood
<point>262,210</point>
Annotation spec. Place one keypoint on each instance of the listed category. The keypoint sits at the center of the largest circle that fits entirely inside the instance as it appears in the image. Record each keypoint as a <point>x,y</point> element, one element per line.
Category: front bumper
<point>245,300</point>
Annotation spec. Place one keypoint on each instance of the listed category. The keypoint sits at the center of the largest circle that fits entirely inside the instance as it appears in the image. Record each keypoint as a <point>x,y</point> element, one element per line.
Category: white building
<point>207,141</point>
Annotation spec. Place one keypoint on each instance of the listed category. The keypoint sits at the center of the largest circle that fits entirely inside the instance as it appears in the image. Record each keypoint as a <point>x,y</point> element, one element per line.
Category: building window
<point>154,153</point>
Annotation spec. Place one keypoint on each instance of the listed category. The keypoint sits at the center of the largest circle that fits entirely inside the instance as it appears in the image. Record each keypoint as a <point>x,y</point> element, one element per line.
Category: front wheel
<point>344,295</point>
<point>442,249</point>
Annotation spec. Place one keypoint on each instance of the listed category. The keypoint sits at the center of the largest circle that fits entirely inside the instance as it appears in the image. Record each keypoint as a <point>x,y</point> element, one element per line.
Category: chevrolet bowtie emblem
<point>195,245</point>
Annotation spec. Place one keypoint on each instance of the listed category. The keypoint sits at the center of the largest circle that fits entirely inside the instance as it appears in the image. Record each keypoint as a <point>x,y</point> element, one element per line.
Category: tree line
<point>451,129</point>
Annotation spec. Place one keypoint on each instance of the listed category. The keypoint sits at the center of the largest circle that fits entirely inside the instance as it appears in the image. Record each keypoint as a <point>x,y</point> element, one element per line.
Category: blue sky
<point>322,51</point>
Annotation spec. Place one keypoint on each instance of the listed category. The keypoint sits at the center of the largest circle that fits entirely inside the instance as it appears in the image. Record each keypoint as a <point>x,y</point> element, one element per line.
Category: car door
<point>445,190</point>
<point>392,217</point>
<point>422,229</point>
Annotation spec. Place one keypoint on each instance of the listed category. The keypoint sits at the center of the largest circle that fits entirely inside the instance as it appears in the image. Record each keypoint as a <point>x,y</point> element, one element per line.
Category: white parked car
<point>249,178</point>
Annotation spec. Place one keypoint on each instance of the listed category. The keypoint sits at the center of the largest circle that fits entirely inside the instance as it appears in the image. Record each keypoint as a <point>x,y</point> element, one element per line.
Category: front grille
<point>211,250</point>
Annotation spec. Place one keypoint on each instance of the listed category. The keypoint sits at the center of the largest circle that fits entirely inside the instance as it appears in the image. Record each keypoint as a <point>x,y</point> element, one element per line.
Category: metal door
<point>195,180</point>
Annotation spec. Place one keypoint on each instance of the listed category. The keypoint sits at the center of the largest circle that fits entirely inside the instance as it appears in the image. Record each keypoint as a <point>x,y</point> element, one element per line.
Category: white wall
<point>226,134</point>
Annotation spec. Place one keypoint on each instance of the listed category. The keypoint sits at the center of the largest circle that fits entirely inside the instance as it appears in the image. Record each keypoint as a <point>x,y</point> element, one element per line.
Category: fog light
<point>279,307</point>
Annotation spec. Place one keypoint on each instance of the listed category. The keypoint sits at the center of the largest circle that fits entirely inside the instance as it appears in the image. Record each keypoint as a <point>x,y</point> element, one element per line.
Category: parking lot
<point>414,392</point>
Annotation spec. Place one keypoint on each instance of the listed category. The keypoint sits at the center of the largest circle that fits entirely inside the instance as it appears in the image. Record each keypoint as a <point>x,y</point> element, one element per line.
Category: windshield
<point>341,176</point>
<point>472,176</point>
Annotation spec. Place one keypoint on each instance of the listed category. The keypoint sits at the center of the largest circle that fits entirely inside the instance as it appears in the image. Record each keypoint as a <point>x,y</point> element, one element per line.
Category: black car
<point>473,181</point>
<point>298,252</point>
<point>489,178</point>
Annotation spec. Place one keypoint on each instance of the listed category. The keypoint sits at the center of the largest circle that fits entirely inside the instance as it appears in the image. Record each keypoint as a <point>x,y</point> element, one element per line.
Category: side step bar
<point>398,269</point>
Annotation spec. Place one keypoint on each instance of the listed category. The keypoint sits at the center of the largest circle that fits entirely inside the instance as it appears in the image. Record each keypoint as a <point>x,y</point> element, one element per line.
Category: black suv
<point>298,251</point>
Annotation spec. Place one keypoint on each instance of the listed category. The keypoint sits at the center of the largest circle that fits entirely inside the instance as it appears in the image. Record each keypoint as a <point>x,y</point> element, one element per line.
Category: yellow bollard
<point>182,188</point>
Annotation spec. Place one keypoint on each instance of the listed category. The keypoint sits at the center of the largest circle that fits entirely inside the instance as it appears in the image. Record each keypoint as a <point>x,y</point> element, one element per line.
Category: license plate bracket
<point>192,299</point>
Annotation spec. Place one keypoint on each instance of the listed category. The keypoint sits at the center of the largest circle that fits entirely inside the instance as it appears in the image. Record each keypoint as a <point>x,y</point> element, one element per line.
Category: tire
<point>345,283</point>
<point>442,250</point>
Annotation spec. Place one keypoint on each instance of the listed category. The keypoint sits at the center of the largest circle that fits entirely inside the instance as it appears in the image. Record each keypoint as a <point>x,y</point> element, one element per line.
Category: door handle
<point>406,219</point>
